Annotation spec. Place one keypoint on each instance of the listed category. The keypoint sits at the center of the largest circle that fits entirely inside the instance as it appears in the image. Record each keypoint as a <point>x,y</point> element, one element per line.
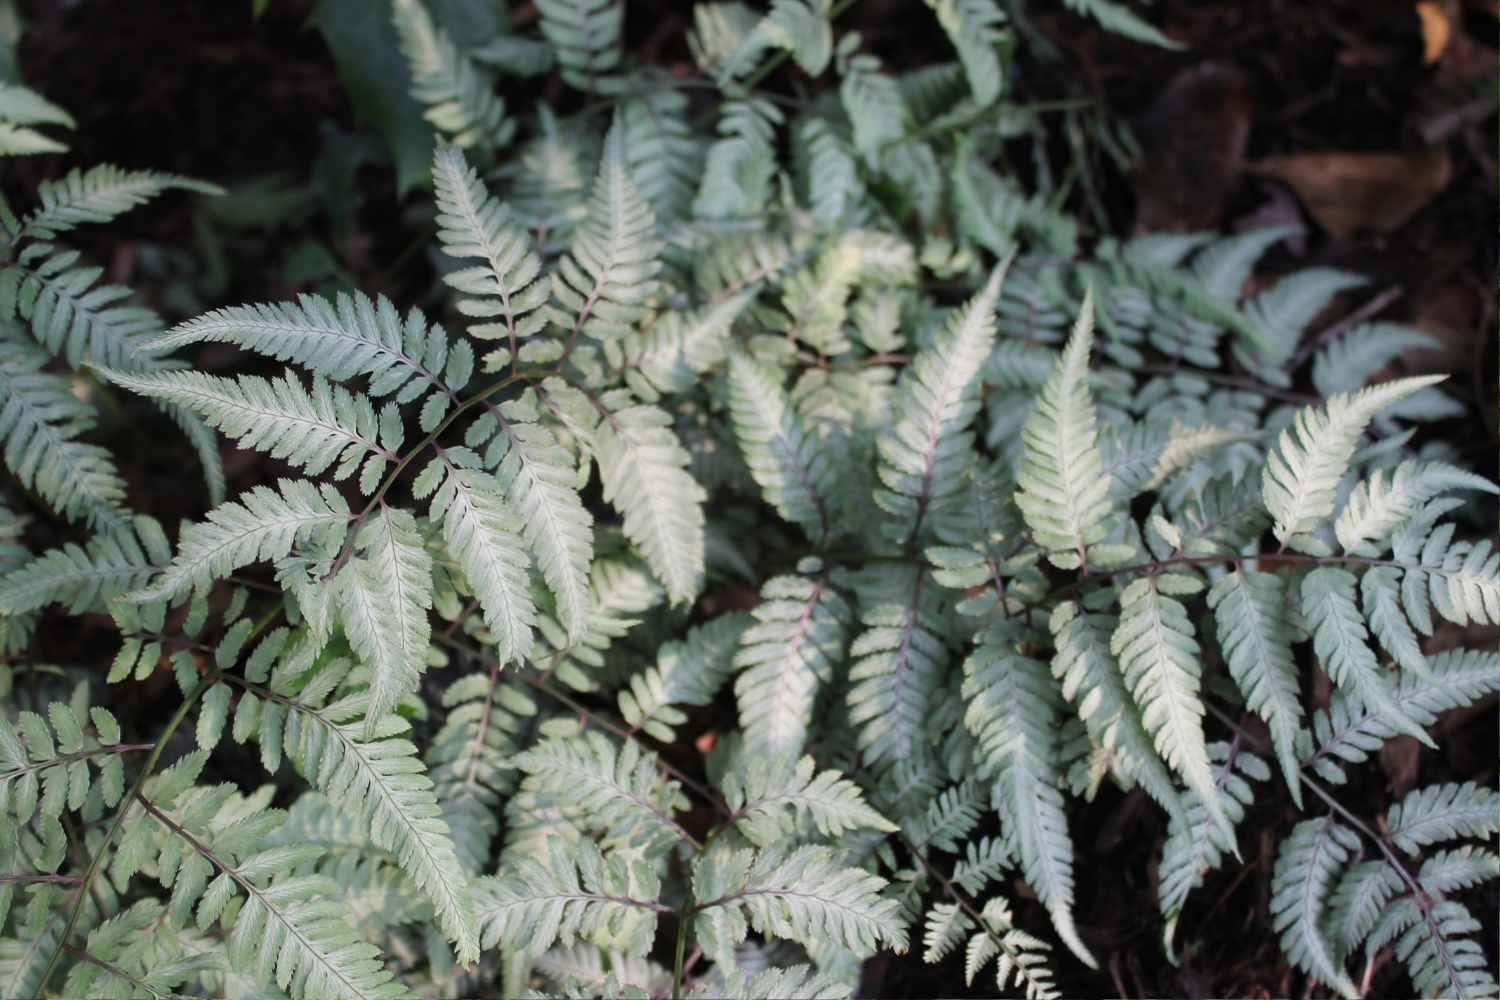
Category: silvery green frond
<point>71,314</point>
<point>936,400</point>
<point>1377,506</point>
<point>48,765</point>
<point>85,577</point>
<point>309,430</point>
<point>679,347</point>
<point>1255,635</point>
<point>1161,661</point>
<point>795,474</point>
<point>1020,959</point>
<point>689,672</point>
<point>502,289</point>
<point>1442,958</point>
<point>40,422</point>
<point>798,27</point>
<point>602,286</point>
<point>1064,493</point>
<point>1282,312</point>
<point>798,982</point>
<point>617,789</point>
<point>741,165</point>
<point>1194,847</point>
<point>459,96</point>
<point>1358,900</point>
<point>806,895</point>
<point>774,797</point>
<point>261,526</point>
<point>1349,733</point>
<point>1091,679</point>
<point>1438,813</point>
<point>385,592</point>
<point>1341,642</point>
<point>1012,712</point>
<point>20,107</point>
<point>585,35</point>
<point>785,657</point>
<point>643,469</point>
<point>1307,866</point>
<point>1115,16</point>
<point>1458,869</point>
<point>576,894</point>
<point>347,337</point>
<point>974,28</point>
<point>541,486</point>
<point>482,534</point>
<point>664,156</point>
<point>1302,474</point>
<point>873,101</point>
<point>96,195</point>
<point>834,187</point>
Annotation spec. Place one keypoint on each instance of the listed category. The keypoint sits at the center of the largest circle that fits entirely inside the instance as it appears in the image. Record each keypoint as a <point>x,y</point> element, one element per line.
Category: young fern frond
<point>1302,474</point>
<point>460,96</point>
<point>503,290</point>
<point>21,107</point>
<point>1437,813</point>
<point>1063,490</point>
<point>585,36</point>
<point>601,287</point>
<point>776,796</point>
<point>936,400</point>
<point>689,672</point>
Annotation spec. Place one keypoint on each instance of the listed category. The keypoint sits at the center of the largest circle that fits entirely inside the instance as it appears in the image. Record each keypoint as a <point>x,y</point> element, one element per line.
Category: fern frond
<point>936,399</point>
<point>1302,886</point>
<point>793,471</point>
<point>575,894</point>
<point>1303,472</point>
<point>1378,505</point>
<point>1090,677</point>
<point>1444,812</point>
<point>678,347</point>
<point>1064,493</point>
<point>262,525</point>
<point>874,104</point>
<point>897,670</point>
<point>380,780</point>
<point>586,37</point>
<point>20,107</point>
<point>1161,662</point>
<point>602,286</point>
<point>1458,869</point>
<point>774,795</point>
<point>1250,614</point>
<point>1193,846</point>
<point>503,289</point>
<point>618,790</point>
<point>644,471</point>
<point>1442,959</point>
<point>973,26</point>
<point>1349,733</point>
<point>797,982</point>
<point>804,895</point>
<point>350,336</point>
<point>72,315</point>
<point>797,27</point>
<point>1342,644</point>
<point>309,430</point>
<point>460,97</point>
<point>1020,958</point>
<point>1282,312</point>
<point>482,534</point>
<point>664,155</point>
<point>84,577</point>
<point>384,594</point>
<point>785,657</point>
<point>541,486</point>
<point>45,766</point>
<point>1012,712</point>
<point>99,194</point>
<point>1358,901</point>
<point>689,672</point>
<point>834,187</point>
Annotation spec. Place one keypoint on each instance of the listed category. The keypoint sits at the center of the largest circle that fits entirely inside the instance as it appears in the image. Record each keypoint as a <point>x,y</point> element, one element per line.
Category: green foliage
<point>770,532</point>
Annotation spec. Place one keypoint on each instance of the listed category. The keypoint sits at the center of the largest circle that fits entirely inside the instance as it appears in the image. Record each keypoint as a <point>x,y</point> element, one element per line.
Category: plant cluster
<point>800,413</point>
